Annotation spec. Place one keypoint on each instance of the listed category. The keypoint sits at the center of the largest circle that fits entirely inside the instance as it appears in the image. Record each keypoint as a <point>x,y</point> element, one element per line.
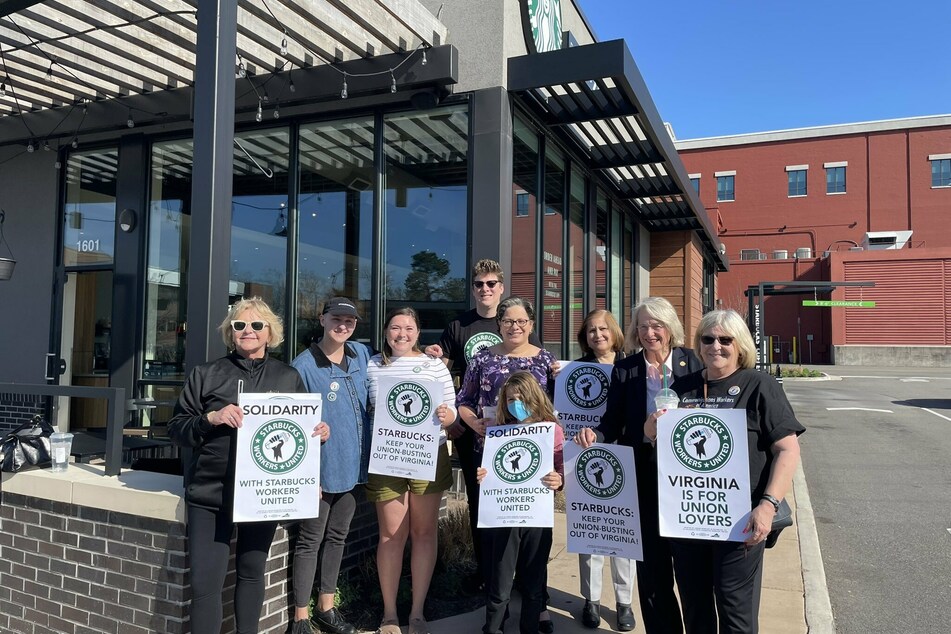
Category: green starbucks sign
<point>541,22</point>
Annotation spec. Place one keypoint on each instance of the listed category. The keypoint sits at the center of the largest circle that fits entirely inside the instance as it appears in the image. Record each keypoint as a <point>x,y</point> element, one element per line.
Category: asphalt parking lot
<point>876,459</point>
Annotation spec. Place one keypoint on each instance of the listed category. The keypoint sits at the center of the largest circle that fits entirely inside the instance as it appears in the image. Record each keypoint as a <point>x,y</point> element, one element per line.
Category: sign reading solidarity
<point>516,458</point>
<point>405,428</point>
<point>581,394</point>
<point>703,474</point>
<point>277,465</point>
<point>601,501</point>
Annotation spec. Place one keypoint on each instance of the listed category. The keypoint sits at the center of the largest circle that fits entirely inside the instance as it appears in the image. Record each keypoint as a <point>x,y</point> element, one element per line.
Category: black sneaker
<point>591,614</point>
<point>332,622</point>
<point>301,627</point>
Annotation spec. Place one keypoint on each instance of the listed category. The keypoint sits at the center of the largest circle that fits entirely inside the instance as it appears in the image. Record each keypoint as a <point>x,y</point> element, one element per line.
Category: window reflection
<point>601,252</point>
<point>90,210</point>
<point>553,256</point>
<point>521,279</point>
<point>426,214</point>
<point>575,261</point>
<point>336,222</point>
<point>259,218</point>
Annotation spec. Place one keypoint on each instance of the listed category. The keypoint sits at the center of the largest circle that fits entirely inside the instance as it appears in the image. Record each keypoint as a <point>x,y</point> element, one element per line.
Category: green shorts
<point>383,488</point>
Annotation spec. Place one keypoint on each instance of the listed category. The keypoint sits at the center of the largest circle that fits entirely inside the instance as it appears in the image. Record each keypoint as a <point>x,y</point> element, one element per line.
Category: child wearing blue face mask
<point>525,551</point>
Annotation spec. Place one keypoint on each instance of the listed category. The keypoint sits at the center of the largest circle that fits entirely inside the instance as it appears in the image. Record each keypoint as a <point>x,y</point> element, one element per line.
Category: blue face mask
<point>518,410</point>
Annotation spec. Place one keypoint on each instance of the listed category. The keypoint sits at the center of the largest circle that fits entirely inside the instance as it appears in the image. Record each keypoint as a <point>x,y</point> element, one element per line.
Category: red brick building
<point>854,202</point>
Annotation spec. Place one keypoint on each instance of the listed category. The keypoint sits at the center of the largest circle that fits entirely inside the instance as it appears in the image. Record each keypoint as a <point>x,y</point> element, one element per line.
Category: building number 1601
<point>87,246</point>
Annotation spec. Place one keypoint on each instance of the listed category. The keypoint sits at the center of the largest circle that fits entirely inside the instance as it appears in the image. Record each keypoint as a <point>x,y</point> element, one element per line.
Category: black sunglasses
<point>708,340</point>
<point>489,283</point>
<point>239,326</point>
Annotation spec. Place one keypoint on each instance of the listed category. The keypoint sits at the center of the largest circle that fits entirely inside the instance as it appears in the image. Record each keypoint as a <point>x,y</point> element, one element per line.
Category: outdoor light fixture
<point>260,114</point>
<point>284,44</point>
<point>277,111</point>
<point>129,122</point>
<point>393,85</point>
<point>425,61</point>
<point>30,147</point>
<point>75,143</point>
<point>343,93</point>
<point>127,220</point>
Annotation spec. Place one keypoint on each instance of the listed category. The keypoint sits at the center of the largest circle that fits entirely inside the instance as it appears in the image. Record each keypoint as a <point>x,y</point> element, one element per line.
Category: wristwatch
<point>772,500</point>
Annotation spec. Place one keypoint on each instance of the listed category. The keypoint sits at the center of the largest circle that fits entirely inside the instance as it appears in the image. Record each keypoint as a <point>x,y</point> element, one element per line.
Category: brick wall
<point>80,570</point>
<point>16,409</point>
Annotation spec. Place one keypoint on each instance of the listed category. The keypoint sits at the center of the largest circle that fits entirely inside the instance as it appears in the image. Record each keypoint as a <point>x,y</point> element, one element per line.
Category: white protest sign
<point>703,474</point>
<point>405,428</point>
<point>517,457</point>
<point>581,394</point>
<point>601,501</point>
<point>277,462</point>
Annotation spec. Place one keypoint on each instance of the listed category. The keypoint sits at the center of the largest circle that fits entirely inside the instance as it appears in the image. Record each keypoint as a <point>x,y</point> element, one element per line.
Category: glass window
<point>259,218</point>
<point>521,279</point>
<point>617,305</point>
<point>336,222</point>
<point>600,255</point>
<point>725,188</point>
<point>835,180</point>
<point>941,173</point>
<point>797,182</point>
<point>628,282</point>
<point>575,260</point>
<point>426,214</point>
<point>696,185</point>
<point>522,200</point>
<point>166,291</point>
<point>550,312</point>
<point>90,210</point>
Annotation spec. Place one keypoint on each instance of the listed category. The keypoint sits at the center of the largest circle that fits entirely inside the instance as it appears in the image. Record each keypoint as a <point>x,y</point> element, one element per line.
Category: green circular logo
<point>279,446</point>
<point>544,23</point>
<point>599,473</point>
<point>517,461</point>
<point>587,386</point>
<point>702,443</point>
<point>409,403</point>
<point>479,341</point>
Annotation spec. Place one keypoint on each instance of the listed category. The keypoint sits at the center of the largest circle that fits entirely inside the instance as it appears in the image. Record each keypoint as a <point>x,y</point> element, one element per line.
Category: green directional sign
<point>838,303</point>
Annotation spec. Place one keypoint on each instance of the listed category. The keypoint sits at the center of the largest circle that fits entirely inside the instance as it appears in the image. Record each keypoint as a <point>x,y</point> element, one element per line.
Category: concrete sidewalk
<point>793,583</point>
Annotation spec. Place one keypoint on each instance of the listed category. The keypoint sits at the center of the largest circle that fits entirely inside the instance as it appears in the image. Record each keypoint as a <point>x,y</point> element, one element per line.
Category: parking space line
<point>860,409</point>
<point>936,413</point>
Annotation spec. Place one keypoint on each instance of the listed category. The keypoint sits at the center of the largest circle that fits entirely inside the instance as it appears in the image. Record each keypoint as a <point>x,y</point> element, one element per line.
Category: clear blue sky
<point>717,67</point>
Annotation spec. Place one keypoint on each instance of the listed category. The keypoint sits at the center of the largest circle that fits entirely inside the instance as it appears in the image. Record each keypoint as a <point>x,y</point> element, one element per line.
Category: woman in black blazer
<point>656,337</point>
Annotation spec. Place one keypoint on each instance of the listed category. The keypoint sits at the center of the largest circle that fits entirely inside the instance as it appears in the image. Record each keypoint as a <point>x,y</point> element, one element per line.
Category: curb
<point>819,617</point>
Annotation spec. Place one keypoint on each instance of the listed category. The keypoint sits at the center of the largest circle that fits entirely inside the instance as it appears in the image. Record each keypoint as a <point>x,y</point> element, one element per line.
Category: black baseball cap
<point>341,306</point>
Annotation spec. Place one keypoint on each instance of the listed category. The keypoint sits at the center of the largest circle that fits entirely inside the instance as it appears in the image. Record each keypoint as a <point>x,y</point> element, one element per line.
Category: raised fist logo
<point>407,401</point>
<point>586,384</point>
<point>698,439</point>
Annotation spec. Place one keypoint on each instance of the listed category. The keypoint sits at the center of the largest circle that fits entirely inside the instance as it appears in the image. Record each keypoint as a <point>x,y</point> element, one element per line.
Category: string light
<point>30,148</point>
<point>46,146</point>
<point>260,114</point>
<point>49,73</point>
<point>3,89</point>
<point>392,85</point>
<point>291,85</point>
<point>343,93</point>
<point>277,111</point>
<point>284,44</point>
<point>129,122</point>
<point>424,61</point>
<point>242,71</point>
<point>75,143</point>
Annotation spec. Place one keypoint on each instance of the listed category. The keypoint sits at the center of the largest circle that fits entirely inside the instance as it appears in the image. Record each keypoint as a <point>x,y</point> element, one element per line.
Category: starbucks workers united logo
<point>279,446</point>
<point>517,461</point>
<point>408,403</point>
<point>587,386</point>
<point>599,473</point>
<point>479,341</point>
<point>702,443</point>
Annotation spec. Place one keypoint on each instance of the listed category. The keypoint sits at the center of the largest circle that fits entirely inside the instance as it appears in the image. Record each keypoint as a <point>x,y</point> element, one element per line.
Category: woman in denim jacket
<point>336,369</point>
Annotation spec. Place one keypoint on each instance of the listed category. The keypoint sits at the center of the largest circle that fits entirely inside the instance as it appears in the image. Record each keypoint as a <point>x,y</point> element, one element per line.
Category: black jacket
<point>626,410</point>
<point>209,476</point>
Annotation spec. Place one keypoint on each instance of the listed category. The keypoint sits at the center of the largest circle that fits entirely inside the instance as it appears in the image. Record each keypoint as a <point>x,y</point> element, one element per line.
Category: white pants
<point>622,574</point>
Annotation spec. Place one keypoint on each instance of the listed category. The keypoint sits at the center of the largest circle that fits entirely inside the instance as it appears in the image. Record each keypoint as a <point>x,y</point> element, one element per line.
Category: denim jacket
<point>345,457</point>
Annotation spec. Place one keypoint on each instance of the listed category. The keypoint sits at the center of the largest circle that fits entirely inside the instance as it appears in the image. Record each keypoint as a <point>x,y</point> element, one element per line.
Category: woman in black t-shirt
<point>720,582</point>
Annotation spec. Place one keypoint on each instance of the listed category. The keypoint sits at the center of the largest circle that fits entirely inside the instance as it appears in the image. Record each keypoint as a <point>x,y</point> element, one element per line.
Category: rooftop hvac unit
<point>780,254</point>
<point>875,240</point>
<point>803,253</point>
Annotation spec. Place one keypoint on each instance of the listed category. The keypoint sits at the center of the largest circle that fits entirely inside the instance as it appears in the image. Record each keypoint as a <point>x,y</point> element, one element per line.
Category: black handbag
<point>28,444</point>
<point>782,519</point>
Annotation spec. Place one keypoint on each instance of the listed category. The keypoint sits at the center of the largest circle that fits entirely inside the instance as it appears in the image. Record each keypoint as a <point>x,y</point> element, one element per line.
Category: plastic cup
<point>666,399</point>
<point>489,412</point>
<point>60,445</point>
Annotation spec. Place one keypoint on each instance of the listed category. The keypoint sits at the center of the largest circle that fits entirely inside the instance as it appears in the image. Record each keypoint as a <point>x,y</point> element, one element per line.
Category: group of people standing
<point>505,377</point>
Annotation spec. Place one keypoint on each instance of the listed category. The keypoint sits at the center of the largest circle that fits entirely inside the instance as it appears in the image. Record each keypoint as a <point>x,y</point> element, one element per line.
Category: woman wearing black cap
<point>335,368</point>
